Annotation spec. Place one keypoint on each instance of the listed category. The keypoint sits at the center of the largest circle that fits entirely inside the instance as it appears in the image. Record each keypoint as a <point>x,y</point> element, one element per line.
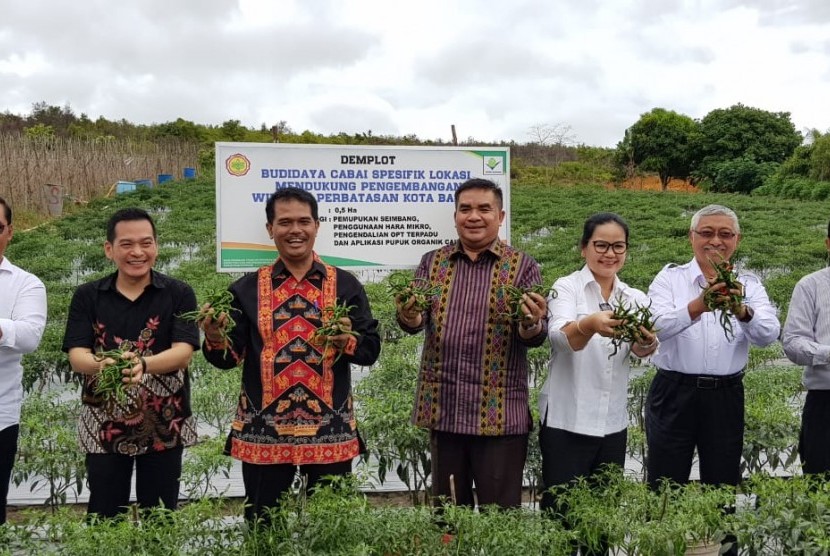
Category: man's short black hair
<point>7,210</point>
<point>290,194</point>
<point>480,183</point>
<point>127,215</point>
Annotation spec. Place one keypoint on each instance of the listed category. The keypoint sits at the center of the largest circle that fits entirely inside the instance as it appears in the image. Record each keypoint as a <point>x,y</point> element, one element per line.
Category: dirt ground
<point>652,183</point>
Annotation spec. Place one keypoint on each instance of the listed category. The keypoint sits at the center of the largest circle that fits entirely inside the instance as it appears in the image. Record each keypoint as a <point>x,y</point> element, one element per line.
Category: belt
<point>705,382</point>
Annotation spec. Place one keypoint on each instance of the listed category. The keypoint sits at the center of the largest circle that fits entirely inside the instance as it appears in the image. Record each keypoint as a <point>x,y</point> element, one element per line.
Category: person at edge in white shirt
<point>806,340</point>
<point>696,399</point>
<point>22,320</point>
<point>582,405</point>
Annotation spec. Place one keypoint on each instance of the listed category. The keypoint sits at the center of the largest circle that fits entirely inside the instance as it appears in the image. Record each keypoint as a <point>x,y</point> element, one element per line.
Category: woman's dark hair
<point>290,194</point>
<point>599,219</point>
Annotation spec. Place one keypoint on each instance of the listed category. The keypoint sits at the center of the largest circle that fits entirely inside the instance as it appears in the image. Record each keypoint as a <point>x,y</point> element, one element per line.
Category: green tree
<point>11,122</point>
<point>742,132</point>
<point>56,117</point>
<point>40,132</point>
<point>741,175</point>
<point>820,157</point>
<point>233,130</point>
<point>659,142</point>
<point>181,129</point>
<point>798,165</point>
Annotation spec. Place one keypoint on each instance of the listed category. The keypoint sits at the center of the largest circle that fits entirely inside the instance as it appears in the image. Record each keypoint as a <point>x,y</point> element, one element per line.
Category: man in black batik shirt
<point>134,310</point>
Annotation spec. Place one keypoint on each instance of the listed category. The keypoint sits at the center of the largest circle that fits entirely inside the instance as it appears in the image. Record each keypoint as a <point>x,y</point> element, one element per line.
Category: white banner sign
<point>379,207</point>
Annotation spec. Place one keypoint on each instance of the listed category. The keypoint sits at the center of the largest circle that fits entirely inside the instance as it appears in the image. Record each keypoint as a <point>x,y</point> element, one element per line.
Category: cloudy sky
<point>494,69</point>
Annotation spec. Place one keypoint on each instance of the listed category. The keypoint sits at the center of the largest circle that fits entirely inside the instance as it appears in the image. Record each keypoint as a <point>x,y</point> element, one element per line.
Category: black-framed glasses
<point>618,247</point>
<point>724,235</point>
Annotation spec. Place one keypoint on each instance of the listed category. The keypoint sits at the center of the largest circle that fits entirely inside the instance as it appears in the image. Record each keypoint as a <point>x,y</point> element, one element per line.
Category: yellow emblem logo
<point>237,164</point>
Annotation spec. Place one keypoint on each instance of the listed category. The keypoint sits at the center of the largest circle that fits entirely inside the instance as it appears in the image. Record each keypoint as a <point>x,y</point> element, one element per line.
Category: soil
<point>652,183</point>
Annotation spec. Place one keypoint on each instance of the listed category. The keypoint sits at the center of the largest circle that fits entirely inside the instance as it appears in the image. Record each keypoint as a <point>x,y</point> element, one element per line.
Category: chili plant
<point>514,297</point>
<point>109,383</point>
<point>218,301</point>
<point>48,452</point>
<point>202,465</point>
<point>722,299</point>
<point>383,406</point>
<point>402,286</point>
<point>332,326</point>
<point>632,317</point>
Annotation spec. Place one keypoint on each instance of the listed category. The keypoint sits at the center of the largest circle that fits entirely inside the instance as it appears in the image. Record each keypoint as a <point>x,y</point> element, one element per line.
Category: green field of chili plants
<point>783,240</point>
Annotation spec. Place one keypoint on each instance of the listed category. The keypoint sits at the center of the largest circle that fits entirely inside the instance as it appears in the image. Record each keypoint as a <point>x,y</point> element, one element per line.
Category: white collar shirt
<point>22,320</point>
<point>806,336</point>
<point>586,391</point>
<point>700,346</point>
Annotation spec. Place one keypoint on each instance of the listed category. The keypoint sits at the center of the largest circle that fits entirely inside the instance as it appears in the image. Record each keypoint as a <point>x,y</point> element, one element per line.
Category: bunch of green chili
<point>219,302</point>
<point>632,317</point>
<point>723,299</point>
<point>514,297</point>
<point>403,286</point>
<point>109,383</point>
<point>332,326</point>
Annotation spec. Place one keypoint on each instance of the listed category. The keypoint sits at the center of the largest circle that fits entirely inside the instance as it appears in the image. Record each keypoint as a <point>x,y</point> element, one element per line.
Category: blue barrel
<point>124,186</point>
<point>144,183</point>
<point>165,177</point>
<point>189,173</point>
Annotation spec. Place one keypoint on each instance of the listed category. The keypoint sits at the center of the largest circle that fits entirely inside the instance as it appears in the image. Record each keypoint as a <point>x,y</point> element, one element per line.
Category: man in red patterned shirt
<point>295,407</point>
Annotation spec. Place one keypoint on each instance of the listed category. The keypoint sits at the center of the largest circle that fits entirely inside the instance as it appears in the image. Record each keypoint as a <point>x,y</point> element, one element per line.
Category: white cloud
<point>491,68</point>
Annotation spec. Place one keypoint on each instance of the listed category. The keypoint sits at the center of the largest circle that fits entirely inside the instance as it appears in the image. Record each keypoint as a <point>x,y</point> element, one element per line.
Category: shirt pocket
<point>692,332</point>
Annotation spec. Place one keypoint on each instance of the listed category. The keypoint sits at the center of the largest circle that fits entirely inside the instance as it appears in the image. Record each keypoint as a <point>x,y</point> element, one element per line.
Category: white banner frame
<point>379,206</point>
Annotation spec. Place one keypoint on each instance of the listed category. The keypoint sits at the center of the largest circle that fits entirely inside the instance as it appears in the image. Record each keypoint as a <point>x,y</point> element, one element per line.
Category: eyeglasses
<point>2,228</point>
<point>724,235</point>
<point>618,247</point>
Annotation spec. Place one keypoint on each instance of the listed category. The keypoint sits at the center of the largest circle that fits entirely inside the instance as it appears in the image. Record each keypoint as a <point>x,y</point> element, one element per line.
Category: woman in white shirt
<point>583,401</point>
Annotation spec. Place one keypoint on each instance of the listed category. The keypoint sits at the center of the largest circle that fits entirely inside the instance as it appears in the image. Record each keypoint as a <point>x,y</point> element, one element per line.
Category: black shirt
<point>157,415</point>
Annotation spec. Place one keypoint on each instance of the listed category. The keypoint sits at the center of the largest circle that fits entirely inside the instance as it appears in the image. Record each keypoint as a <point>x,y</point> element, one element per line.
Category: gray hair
<point>715,210</point>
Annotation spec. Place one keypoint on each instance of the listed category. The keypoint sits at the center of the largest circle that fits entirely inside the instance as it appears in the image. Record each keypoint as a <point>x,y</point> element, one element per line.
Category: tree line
<point>739,149</point>
<point>46,120</point>
<point>547,145</point>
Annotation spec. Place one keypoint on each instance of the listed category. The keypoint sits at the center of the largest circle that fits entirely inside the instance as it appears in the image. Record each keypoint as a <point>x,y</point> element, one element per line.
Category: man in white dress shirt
<point>697,397</point>
<point>22,319</point>
<point>807,342</point>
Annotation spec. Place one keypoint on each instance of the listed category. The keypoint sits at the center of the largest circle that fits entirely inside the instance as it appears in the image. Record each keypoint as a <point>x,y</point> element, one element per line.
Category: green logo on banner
<point>493,162</point>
